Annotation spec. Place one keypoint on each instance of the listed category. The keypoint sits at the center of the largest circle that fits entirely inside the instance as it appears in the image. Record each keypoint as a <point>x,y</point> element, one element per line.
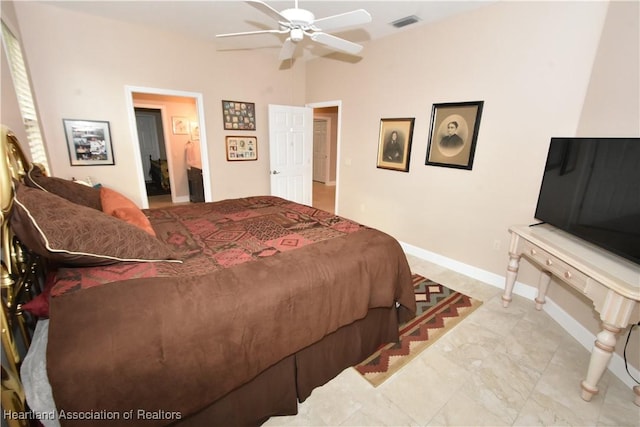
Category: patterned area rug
<point>438,310</point>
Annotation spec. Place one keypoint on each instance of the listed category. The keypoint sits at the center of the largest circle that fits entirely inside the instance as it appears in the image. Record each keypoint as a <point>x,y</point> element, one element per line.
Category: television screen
<point>591,189</point>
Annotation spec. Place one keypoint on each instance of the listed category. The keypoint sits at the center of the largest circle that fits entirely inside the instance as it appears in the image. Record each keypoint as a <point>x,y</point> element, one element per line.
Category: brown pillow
<point>120,206</point>
<point>71,234</point>
<point>72,191</point>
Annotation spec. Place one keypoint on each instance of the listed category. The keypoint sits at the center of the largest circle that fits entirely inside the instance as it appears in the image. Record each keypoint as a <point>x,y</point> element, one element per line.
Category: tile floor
<point>498,367</point>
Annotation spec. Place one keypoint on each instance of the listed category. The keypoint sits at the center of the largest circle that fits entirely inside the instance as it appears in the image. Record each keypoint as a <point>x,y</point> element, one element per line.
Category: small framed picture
<point>394,144</point>
<point>195,131</point>
<point>453,134</point>
<point>238,115</point>
<point>241,148</point>
<point>88,142</point>
<point>180,125</point>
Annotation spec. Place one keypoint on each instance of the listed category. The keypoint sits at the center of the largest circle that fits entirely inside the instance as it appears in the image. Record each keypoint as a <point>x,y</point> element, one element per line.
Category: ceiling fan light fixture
<point>296,35</point>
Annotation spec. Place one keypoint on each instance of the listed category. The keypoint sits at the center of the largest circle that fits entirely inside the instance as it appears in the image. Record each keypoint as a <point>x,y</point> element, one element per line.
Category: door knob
<point>275,172</point>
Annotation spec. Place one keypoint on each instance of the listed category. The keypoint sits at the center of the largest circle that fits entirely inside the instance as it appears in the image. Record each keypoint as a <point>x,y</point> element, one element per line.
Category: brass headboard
<point>21,279</point>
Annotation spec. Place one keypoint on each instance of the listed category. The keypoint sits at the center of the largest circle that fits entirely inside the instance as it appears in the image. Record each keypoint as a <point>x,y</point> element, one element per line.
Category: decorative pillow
<point>119,206</point>
<point>70,234</point>
<point>72,191</point>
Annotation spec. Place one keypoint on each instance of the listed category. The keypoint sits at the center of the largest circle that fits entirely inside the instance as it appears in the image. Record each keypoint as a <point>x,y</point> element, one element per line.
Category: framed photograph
<point>453,134</point>
<point>180,125</point>
<point>238,115</point>
<point>394,144</point>
<point>241,148</point>
<point>88,142</point>
<point>195,131</point>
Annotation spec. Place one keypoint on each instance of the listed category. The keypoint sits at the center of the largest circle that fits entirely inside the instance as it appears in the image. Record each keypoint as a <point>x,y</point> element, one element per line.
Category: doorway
<point>321,148</point>
<point>153,152</point>
<point>291,139</point>
<point>181,124</point>
<point>326,132</point>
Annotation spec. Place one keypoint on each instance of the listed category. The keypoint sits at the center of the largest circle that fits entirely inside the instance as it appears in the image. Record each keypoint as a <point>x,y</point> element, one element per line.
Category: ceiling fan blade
<point>266,9</point>
<point>288,49</point>
<point>348,19</point>
<point>336,43</point>
<point>249,33</point>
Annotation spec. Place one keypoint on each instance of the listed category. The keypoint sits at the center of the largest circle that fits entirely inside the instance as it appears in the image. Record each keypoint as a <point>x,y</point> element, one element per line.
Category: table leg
<point>543,286</point>
<point>615,311</point>
<point>510,280</point>
<point>600,356</point>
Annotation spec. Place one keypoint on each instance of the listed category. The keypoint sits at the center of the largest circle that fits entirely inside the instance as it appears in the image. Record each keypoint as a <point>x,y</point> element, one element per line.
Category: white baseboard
<point>568,323</point>
<point>181,199</point>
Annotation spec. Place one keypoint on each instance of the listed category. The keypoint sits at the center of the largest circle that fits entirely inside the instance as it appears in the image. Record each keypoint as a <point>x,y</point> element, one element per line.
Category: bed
<point>222,313</point>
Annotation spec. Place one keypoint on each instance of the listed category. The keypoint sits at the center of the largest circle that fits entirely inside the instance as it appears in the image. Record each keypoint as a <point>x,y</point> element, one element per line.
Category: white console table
<point>611,282</point>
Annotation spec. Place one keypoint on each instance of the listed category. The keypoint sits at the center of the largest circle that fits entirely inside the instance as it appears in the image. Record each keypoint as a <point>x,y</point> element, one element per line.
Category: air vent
<point>403,22</point>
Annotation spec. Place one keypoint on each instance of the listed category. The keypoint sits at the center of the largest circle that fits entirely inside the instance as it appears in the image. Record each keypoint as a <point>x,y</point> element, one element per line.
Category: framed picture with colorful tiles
<point>238,115</point>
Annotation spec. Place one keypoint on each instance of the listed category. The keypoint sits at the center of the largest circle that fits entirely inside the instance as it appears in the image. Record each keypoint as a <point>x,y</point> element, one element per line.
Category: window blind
<point>22,87</point>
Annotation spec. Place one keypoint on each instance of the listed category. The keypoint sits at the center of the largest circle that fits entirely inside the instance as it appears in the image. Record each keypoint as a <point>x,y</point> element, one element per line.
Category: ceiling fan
<point>298,23</point>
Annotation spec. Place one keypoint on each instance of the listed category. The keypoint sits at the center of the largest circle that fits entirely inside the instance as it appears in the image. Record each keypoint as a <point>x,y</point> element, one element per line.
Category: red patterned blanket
<point>218,235</point>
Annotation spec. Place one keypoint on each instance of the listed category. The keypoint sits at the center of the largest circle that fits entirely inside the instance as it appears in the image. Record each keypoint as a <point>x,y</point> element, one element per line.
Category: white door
<point>320,158</point>
<point>291,152</point>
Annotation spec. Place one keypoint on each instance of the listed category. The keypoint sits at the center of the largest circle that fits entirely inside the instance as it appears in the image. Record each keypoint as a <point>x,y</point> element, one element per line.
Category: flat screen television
<point>591,189</point>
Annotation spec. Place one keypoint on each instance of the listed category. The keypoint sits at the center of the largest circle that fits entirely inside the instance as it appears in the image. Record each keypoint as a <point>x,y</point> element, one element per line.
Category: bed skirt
<point>277,390</point>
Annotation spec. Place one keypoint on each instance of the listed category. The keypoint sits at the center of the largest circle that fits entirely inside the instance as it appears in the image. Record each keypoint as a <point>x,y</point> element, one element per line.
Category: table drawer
<point>554,265</point>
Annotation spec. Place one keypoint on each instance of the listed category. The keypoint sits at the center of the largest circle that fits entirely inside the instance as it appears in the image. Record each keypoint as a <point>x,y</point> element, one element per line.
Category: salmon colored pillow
<point>134,216</point>
<point>121,207</point>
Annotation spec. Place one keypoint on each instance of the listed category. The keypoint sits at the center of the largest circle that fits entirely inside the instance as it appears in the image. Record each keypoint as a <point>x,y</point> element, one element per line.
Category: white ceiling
<point>205,19</point>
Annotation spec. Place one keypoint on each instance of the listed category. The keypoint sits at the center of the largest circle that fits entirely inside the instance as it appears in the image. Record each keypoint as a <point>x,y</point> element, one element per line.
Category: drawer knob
<point>549,262</point>
<point>567,275</point>
<point>533,252</point>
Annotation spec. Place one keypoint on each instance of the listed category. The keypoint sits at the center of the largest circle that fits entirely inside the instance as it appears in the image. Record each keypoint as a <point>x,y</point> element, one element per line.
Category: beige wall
<point>543,69</point>
<point>611,108</point>
<point>613,97</point>
<point>80,65</point>
<point>538,79</point>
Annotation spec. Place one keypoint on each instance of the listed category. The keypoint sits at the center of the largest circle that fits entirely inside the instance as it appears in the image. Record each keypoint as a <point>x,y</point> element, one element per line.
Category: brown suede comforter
<point>167,346</point>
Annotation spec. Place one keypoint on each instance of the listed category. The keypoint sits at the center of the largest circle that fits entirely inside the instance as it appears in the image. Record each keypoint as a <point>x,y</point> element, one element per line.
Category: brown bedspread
<point>179,342</point>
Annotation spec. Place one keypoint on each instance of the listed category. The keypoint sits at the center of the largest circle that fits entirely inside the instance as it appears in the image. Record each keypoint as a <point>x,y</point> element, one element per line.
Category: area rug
<point>439,309</point>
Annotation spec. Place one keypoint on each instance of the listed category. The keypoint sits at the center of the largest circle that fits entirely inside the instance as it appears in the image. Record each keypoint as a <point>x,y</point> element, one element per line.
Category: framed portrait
<point>394,144</point>
<point>241,148</point>
<point>88,142</point>
<point>453,134</point>
<point>180,125</point>
<point>238,115</point>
